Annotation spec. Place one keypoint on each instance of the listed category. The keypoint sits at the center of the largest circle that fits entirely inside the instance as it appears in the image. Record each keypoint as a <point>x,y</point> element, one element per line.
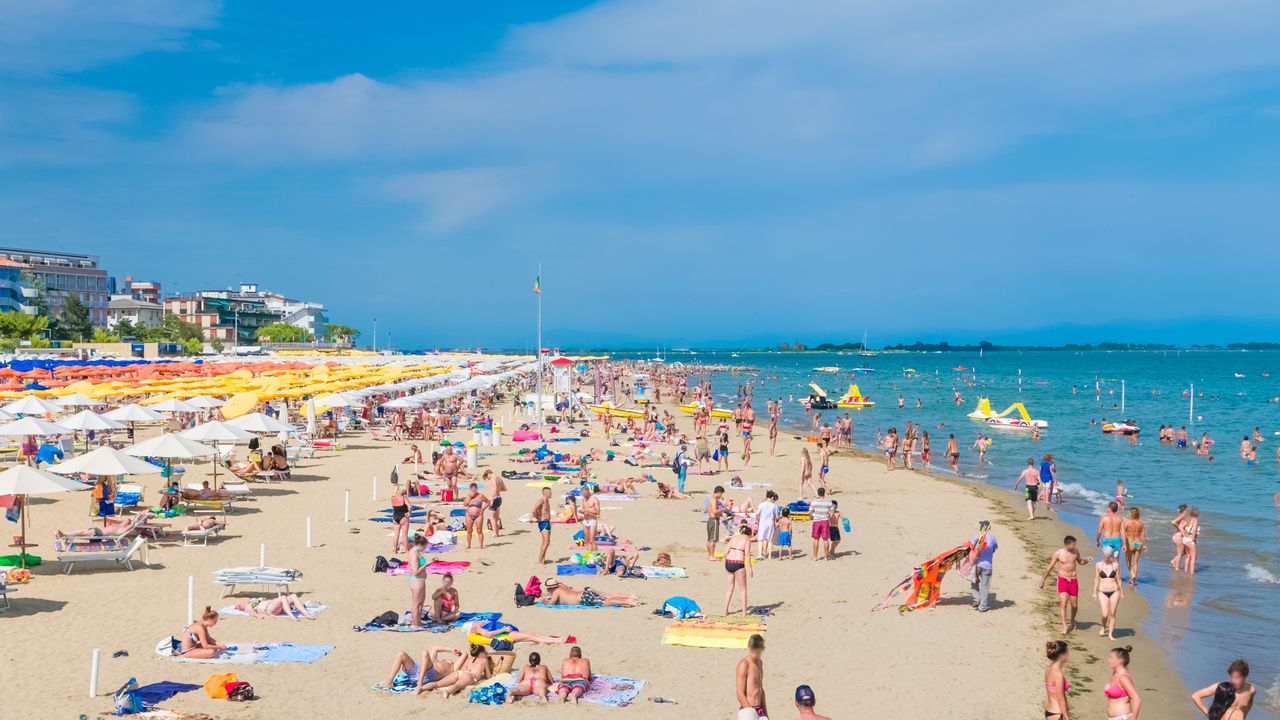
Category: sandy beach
<point>949,661</point>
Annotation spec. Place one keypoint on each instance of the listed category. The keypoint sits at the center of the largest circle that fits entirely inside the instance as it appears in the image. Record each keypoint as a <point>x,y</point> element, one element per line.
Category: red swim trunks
<point>1070,587</point>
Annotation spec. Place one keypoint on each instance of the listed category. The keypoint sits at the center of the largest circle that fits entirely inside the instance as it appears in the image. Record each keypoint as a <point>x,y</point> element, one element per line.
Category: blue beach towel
<point>575,570</point>
<point>578,607</point>
<point>156,693</point>
<point>290,653</point>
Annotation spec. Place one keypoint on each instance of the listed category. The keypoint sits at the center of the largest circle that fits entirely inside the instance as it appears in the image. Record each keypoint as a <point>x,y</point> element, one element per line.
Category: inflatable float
<point>1005,419</point>
<point>827,369</point>
<point>855,399</point>
<point>1121,428</point>
<point>615,411</point>
<point>691,408</point>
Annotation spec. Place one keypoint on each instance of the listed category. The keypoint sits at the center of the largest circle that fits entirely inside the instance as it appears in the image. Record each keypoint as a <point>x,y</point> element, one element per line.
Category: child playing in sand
<point>784,534</point>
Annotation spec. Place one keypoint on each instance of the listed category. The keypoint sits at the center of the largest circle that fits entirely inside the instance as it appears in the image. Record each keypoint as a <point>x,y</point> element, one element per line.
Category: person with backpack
<point>680,466</point>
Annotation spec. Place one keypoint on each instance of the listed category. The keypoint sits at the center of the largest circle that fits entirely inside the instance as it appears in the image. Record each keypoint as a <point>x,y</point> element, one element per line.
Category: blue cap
<point>805,696</point>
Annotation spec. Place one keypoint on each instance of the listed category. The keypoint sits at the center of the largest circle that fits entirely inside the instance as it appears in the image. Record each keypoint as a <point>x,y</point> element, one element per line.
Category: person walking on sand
<point>773,431</point>
<point>400,512</point>
<point>1064,560</point>
<point>824,464</point>
<point>766,518</point>
<point>805,700</point>
<point>806,472</point>
<point>1242,691</point>
<point>750,682</point>
<point>476,505</point>
<point>738,564</point>
<point>1031,477</point>
<point>542,516</point>
<point>1109,530</point>
<point>590,516</point>
<point>1108,589</point>
<point>982,554</point>
<point>748,423</point>
<point>1055,680</point>
<point>680,463</point>
<point>715,513</point>
<point>1135,543</point>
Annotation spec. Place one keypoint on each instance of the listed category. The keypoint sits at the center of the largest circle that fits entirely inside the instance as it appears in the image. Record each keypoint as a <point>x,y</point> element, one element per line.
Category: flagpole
<point>537,403</point>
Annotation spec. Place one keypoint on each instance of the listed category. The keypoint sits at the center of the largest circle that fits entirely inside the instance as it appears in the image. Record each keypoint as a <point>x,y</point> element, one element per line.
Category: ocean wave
<point>1096,499</point>
<point>1271,697</point>
<point>1261,574</point>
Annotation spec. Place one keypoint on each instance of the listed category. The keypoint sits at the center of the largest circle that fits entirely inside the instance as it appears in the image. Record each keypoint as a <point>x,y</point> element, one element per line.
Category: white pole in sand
<point>373,488</point>
<point>308,531</point>
<point>191,599</point>
<point>93,672</point>
<point>262,555</point>
<point>346,506</point>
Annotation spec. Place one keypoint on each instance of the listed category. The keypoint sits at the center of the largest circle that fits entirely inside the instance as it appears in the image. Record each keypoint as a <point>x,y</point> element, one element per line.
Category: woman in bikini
<point>1108,589</point>
<point>534,679</point>
<point>1055,681</point>
<point>470,668</point>
<point>1178,547</point>
<point>445,603</point>
<point>474,520</point>
<point>284,605</point>
<point>400,512</point>
<point>737,563</point>
<point>1190,533</point>
<point>806,473</point>
<point>1123,701</point>
<point>197,643</point>
<point>499,486</point>
<point>1135,541</point>
<point>417,579</point>
<point>405,673</point>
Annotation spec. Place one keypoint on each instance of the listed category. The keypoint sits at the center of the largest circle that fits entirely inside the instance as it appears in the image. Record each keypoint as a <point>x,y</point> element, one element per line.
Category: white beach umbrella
<point>77,400</point>
<point>216,431</point>
<point>132,414</point>
<point>105,461</point>
<point>259,423</point>
<point>311,416</point>
<point>204,402</point>
<point>335,400</point>
<point>89,420</point>
<point>32,405</point>
<point>31,426</point>
<point>401,403</point>
<point>170,445</point>
<point>25,480</point>
<point>174,405</point>
<point>6,416</point>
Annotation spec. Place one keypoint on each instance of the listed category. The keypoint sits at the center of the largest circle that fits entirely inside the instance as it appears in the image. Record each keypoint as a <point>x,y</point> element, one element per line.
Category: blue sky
<point>686,171</point>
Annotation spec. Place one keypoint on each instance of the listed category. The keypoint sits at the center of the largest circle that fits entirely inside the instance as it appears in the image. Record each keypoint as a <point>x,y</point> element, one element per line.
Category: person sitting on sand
<point>406,673</point>
<point>284,605</point>
<point>558,593</point>
<point>209,523</point>
<point>110,528</point>
<point>469,669</point>
<point>197,643</point>
<point>666,492</point>
<point>534,679</point>
<point>445,603</point>
<point>575,676</point>
<point>415,456</point>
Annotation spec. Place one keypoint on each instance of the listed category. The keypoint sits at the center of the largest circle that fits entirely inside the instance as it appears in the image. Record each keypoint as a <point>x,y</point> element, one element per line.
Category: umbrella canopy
<point>6,416</point>
<point>336,400</point>
<point>216,431</point>
<point>26,480</point>
<point>32,405</point>
<point>89,420</point>
<point>105,461</point>
<point>76,400</point>
<point>170,445</point>
<point>400,403</point>
<point>31,426</point>
<point>204,402</point>
<point>174,405</point>
<point>259,423</point>
<point>133,413</point>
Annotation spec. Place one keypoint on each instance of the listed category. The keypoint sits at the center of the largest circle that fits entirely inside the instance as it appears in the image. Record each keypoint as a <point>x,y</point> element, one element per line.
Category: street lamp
<point>375,334</point>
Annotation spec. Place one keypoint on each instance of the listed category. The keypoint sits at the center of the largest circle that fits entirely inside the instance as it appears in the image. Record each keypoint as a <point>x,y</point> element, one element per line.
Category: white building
<point>309,316</point>
<point>141,314</point>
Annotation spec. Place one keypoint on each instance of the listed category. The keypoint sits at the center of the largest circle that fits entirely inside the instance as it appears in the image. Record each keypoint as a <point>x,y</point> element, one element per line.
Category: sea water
<point>1231,607</point>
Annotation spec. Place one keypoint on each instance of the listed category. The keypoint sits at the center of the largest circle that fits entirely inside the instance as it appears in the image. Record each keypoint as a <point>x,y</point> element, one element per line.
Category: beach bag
<point>680,608</point>
<point>524,599</point>
<point>240,692</point>
<point>393,563</point>
<point>128,702</point>
<point>380,564</point>
<point>500,644</point>
<point>216,686</point>
<point>387,619</point>
<point>677,463</point>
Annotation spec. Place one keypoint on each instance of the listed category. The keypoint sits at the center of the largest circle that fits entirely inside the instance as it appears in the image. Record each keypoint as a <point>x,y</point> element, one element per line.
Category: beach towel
<point>290,653</point>
<point>541,484</point>
<point>578,607</point>
<point>611,690</point>
<point>156,693</point>
<point>233,611</point>
<point>575,570</point>
<point>429,625</point>
<point>252,654</point>
<point>652,571</point>
<point>713,632</point>
<point>436,567</point>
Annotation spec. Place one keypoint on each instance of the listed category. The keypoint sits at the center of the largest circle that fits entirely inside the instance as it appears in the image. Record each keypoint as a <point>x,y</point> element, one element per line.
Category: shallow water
<point>1230,607</point>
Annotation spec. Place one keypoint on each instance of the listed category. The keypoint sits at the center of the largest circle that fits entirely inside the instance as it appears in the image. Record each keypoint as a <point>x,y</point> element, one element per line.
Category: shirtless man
<point>1031,476</point>
<point>1110,529</point>
<point>542,516</point>
<point>575,676</point>
<point>953,454</point>
<point>805,700</point>
<point>590,516</point>
<point>715,513</point>
<point>1065,559</point>
<point>1238,676</point>
<point>750,681</point>
<point>448,467</point>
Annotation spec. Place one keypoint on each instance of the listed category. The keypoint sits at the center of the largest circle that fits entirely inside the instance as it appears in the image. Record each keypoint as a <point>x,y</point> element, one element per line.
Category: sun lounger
<point>120,557</point>
<point>200,537</point>
<point>5,590</point>
<point>209,506</point>
<point>128,496</point>
<point>279,578</point>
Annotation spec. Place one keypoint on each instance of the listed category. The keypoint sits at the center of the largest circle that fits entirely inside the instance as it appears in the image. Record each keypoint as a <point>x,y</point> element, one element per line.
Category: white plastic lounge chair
<point>120,557</point>
<point>4,590</point>
<point>200,537</point>
<point>131,490</point>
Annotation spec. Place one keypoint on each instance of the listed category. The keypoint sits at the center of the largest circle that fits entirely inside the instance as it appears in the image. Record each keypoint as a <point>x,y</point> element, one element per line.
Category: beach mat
<point>437,567</point>
<point>430,626</point>
<point>611,690</point>
<point>713,632</point>
<point>652,571</point>
<point>232,611</point>
<point>253,654</point>
<point>578,607</point>
<point>575,570</point>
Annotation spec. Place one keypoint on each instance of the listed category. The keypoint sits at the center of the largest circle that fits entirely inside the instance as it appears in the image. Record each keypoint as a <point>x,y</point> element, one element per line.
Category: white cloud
<point>44,36</point>
<point>453,198</point>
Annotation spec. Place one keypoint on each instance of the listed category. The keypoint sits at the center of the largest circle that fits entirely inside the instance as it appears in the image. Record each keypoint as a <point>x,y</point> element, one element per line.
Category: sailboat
<point>865,352</point>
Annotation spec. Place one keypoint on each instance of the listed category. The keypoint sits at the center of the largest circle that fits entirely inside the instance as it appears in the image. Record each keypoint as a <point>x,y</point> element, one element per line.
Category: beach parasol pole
<point>93,672</point>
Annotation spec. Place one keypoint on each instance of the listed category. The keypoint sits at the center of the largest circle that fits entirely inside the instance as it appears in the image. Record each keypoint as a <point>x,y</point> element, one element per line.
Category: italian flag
<point>537,285</point>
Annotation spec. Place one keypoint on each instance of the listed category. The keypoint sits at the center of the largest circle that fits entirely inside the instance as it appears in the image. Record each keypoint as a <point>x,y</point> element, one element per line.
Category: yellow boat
<point>1023,420</point>
<point>855,399</point>
<point>691,408</point>
<point>615,411</point>
<point>827,369</point>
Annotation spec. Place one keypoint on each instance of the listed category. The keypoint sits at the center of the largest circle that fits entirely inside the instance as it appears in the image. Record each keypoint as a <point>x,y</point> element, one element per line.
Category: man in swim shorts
<point>1031,477</point>
<point>1110,528</point>
<point>1065,559</point>
<point>821,526</point>
<point>715,513</point>
<point>575,676</point>
<point>590,516</point>
<point>750,682</point>
<point>542,515</point>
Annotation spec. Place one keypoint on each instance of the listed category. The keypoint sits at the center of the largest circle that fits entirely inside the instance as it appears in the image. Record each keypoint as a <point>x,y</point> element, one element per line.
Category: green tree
<point>341,333</point>
<point>101,335</point>
<point>281,332</point>
<point>40,301</point>
<point>15,327</point>
<point>193,346</point>
<point>74,322</point>
<point>172,329</point>
<point>217,345</point>
<point>125,328</point>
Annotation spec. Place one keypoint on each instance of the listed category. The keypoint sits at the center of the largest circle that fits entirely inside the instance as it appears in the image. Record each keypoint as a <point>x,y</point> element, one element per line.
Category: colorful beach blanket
<point>578,607</point>
<point>611,690</point>
<point>429,625</point>
<point>435,567</point>
<point>713,632</point>
<point>652,571</point>
<point>233,611</point>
